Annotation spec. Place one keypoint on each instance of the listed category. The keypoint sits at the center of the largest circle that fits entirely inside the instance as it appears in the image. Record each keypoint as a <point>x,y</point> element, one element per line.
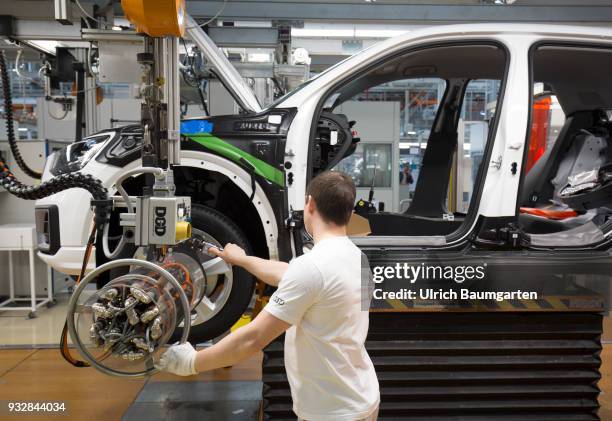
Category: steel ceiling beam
<point>229,36</point>
<point>25,29</point>
<point>319,10</point>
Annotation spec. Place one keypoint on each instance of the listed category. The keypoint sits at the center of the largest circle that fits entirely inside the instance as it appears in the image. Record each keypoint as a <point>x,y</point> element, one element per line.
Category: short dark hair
<point>334,194</point>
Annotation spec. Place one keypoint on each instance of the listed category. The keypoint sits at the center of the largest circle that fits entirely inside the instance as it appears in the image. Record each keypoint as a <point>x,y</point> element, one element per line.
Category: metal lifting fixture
<point>120,328</point>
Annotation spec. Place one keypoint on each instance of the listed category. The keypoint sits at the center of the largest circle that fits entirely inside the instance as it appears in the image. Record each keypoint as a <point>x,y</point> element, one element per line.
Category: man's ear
<point>310,204</point>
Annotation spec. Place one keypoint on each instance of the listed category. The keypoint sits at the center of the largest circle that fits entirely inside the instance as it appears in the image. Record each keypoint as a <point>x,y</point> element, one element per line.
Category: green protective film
<point>231,152</point>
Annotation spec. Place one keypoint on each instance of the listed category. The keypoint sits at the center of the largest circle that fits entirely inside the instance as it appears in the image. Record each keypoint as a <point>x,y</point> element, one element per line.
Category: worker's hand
<point>179,360</point>
<point>231,253</point>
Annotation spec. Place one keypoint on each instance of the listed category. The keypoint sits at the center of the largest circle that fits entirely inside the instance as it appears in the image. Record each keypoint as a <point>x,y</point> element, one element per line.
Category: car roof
<point>498,31</point>
<point>509,28</point>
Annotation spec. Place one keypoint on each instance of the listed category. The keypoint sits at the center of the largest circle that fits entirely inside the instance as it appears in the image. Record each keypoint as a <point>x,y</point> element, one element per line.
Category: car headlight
<point>75,156</point>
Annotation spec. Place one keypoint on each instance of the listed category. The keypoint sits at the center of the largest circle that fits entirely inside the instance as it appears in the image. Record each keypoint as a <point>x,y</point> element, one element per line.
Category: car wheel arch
<point>241,180</point>
<point>238,177</point>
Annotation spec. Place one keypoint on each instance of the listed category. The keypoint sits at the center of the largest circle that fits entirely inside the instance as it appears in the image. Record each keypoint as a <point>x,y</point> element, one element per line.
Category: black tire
<point>224,230</point>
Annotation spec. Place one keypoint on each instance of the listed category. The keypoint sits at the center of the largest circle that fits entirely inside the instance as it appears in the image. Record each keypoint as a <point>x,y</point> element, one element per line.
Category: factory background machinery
<point>184,133</point>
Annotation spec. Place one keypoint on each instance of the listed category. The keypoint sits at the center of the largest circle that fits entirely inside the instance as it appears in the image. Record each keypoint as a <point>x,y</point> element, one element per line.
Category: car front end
<point>64,220</point>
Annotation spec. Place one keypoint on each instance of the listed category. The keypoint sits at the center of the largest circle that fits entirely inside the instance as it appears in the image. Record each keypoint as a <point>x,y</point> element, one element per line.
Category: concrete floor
<point>42,375</point>
<point>32,369</point>
<point>17,330</point>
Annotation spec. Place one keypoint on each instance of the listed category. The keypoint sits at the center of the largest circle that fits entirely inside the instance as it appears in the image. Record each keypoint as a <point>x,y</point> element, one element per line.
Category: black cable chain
<point>8,115</point>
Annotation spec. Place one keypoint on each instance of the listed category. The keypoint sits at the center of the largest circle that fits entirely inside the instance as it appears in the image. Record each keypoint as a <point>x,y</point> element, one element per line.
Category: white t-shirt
<point>329,371</point>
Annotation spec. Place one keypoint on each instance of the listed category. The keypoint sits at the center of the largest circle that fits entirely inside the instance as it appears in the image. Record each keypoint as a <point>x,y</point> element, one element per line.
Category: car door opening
<point>424,119</point>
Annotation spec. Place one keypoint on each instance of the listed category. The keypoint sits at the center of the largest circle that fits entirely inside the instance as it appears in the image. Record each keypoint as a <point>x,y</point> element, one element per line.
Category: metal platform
<point>472,366</point>
<point>196,400</point>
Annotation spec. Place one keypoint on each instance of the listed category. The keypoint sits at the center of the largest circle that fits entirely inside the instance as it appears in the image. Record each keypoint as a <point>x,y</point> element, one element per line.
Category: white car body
<point>500,188</point>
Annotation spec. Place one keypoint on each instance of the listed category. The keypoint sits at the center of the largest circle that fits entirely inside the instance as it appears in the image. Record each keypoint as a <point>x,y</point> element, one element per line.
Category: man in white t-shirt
<point>319,304</point>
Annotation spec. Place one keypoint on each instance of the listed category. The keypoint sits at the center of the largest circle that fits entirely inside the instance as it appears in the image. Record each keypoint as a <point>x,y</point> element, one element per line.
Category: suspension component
<point>101,311</point>
<point>149,315</point>
<point>111,294</point>
<point>130,313</point>
<point>156,329</point>
<point>135,314</point>
<point>140,343</point>
<point>140,295</point>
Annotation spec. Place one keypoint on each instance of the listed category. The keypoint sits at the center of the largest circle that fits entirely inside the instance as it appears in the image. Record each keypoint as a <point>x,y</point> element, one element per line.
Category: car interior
<point>566,197</point>
<point>458,64</point>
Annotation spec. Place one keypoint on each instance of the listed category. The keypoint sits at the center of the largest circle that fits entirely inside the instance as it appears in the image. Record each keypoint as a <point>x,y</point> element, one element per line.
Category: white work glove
<point>179,360</point>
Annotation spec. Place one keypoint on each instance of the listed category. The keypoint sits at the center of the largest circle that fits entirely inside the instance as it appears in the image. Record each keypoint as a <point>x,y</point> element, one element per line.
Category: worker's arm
<point>269,271</point>
<point>242,343</point>
<point>300,289</point>
<point>184,360</point>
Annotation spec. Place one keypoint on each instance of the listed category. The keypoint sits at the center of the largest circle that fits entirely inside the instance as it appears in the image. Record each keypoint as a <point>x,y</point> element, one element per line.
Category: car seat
<point>586,151</point>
